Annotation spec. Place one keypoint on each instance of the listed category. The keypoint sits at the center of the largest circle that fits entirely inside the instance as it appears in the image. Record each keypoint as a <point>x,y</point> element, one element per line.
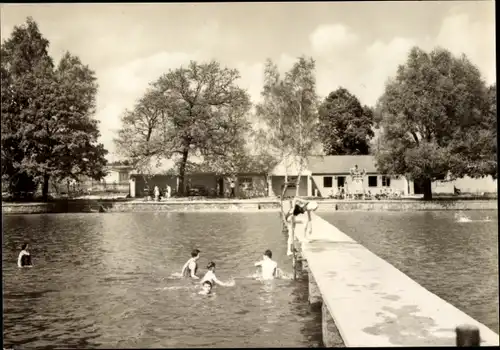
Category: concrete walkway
<point>372,303</point>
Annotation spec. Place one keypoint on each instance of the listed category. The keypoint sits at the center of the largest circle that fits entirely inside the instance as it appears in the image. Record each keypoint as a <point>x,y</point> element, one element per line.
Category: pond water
<point>452,254</point>
<point>105,280</point>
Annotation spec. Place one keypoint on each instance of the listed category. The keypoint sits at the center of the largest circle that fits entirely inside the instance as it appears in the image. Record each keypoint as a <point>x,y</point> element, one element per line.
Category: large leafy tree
<point>191,111</point>
<point>23,53</point>
<point>345,125</point>
<point>47,111</point>
<point>436,120</point>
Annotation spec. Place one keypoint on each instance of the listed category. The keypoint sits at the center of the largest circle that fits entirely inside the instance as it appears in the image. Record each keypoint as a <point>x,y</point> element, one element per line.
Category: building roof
<point>119,167</point>
<point>341,164</point>
<point>289,166</point>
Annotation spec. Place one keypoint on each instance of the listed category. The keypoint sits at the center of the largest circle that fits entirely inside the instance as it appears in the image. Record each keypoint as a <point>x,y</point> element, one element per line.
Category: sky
<point>356,45</point>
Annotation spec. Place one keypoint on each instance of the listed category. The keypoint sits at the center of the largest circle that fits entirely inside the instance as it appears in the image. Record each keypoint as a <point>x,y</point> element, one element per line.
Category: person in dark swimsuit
<point>191,266</point>
<point>299,207</point>
<point>24,258</point>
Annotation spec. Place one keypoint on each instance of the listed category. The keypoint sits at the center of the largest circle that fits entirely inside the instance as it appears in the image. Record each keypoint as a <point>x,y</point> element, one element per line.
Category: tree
<point>474,148</point>
<point>193,111</point>
<point>48,112</point>
<point>141,139</point>
<point>20,55</point>
<point>436,120</point>
<point>289,112</point>
<point>345,125</point>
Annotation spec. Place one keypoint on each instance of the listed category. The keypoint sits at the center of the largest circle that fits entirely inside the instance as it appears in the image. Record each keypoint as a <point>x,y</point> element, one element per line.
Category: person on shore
<point>269,267</point>
<point>24,258</point>
<point>157,193</point>
<point>206,288</point>
<point>210,277</point>
<point>168,191</point>
<point>191,266</point>
<point>300,206</point>
<point>232,185</point>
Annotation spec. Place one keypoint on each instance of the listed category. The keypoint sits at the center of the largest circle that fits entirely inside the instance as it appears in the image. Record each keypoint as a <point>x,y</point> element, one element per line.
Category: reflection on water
<point>108,280</point>
<point>452,254</point>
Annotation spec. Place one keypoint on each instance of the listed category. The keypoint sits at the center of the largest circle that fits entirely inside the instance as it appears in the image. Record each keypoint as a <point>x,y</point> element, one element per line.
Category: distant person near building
<point>157,193</point>
<point>168,191</point>
<point>232,185</point>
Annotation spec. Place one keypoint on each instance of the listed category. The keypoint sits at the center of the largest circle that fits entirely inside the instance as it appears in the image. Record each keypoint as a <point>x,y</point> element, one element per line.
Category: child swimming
<point>210,277</point>
<point>206,288</point>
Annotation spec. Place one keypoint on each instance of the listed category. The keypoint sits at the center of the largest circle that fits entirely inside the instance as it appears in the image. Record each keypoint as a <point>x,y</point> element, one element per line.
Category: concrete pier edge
<point>376,293</point>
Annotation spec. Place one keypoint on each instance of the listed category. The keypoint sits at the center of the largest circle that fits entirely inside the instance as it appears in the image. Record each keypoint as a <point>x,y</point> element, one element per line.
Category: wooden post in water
<point>467,336</point>
<point>294,252</point>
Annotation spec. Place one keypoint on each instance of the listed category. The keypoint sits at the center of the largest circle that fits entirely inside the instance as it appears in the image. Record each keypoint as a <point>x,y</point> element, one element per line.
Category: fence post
<point>467,335</point>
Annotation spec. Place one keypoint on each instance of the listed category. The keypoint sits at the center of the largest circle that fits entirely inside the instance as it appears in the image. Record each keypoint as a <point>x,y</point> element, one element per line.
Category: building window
<point>327,181</point>
<point>246,183</point>
<point>372,181</point>
<point>123,177</point>
<point>386,181</point>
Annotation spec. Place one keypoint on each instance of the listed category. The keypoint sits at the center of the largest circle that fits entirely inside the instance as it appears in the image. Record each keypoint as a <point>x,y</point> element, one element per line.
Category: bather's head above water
<point>268,254</point>
<point>211,266</point>
<point>24,246</point>
<point>206,287</point>
<point>195,254</point>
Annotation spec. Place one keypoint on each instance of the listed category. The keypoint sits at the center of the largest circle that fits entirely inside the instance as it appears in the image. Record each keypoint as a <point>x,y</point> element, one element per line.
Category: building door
<point>340,181</point>
<point>417,187</point>
<point>220,185</point>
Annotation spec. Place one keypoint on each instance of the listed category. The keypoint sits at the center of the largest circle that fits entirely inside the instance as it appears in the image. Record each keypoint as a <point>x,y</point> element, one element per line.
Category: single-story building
<point>207,184</point>
<point>330,173</point>
<point>466,185</point>
<point>322,176</point>
<point>116,174</point>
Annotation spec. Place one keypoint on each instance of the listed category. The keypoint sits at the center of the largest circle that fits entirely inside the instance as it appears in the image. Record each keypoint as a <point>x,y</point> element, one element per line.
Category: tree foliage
<point>47,125</point>
<point>345,125</point>
<point>437,120</point>
<point>191,111</point>
<point>289,112</point>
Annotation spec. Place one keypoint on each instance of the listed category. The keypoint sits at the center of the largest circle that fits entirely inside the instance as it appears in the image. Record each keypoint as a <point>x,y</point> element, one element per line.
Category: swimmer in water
<point>191,266</point>
<point>206,288</point>
<point>268,266</point>
<point>300,206</point>
<point>24,258</point>
<point>210,276</point>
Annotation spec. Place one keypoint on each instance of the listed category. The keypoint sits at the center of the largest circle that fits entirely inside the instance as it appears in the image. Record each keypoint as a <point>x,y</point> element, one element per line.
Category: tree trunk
<point>297,186</point>
<point>182,171</point>
<point>427,189</point>
<point>45,188</point>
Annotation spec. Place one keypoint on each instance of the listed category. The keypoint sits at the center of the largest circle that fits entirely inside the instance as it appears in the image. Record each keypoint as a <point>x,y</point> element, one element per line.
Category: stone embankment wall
<point>88,206</point>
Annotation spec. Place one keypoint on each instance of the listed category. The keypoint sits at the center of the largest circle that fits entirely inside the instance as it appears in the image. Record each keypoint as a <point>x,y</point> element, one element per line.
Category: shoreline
<point>325,205</point>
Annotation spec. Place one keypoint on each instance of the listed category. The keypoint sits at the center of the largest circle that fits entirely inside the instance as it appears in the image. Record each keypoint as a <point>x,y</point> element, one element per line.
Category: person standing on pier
<point>24,258</point>
<point>298,207</point>
<point>269,267</point>
<point>191,266</point>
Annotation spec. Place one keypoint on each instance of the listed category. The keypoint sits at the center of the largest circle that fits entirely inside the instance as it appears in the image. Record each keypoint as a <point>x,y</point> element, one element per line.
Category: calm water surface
<point>458,261</point>
<point>105,280</point>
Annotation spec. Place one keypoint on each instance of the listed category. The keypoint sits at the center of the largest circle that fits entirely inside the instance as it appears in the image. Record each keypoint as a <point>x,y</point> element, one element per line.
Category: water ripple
<point>109,281</point>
